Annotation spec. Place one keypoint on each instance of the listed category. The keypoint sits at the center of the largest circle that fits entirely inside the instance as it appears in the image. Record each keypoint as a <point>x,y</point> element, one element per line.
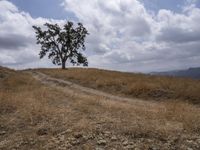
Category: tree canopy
<point>62,44</point>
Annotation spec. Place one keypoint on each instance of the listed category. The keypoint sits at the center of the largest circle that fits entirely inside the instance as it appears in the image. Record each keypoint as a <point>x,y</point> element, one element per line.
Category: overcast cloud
<point>124,35</point>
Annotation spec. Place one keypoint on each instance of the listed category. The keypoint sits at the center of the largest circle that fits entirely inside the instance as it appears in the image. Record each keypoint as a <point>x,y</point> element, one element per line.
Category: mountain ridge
<point>193,73</point>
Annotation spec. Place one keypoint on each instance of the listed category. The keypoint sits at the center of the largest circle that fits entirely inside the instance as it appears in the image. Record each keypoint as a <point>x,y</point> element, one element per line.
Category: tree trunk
<point>63,64</point>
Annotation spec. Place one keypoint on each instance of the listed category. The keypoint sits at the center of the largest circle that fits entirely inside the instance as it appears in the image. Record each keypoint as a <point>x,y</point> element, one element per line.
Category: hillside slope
<point>132,85</point>
<point>41,112</point>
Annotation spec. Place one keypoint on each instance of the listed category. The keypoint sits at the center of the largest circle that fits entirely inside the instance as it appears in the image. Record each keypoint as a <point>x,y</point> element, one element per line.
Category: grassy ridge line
<point>132,85</point>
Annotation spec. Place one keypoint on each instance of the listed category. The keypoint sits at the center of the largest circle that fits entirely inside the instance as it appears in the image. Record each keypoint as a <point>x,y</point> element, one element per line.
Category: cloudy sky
<point>126,35</point>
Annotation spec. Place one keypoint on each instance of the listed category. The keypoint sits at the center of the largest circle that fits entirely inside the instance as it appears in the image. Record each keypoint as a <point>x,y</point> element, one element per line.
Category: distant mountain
<point>190,73</point>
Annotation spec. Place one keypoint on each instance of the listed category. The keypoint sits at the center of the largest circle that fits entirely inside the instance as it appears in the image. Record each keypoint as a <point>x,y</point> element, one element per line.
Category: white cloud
<point>7,6</point>
<point>17,40</point>
<point>125,36</point>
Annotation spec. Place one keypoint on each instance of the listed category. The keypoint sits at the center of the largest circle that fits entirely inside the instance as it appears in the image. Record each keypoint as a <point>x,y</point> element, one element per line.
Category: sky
<point>125,35</point>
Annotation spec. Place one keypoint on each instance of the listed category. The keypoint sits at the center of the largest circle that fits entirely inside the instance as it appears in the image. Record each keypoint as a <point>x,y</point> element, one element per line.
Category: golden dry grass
<point>25,108</point>
<point>34,115</point>
<point>131,84</point>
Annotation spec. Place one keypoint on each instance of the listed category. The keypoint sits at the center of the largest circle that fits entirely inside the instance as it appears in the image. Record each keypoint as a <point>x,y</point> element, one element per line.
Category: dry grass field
<point>47,115</point>
<point>132,85</point>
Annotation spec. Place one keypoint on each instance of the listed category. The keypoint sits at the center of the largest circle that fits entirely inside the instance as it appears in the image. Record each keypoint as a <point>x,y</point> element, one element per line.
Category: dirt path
<point>45,79</point>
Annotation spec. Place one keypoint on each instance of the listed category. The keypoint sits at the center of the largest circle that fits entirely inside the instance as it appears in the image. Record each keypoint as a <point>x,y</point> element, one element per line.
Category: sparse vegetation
<point>52,116</point>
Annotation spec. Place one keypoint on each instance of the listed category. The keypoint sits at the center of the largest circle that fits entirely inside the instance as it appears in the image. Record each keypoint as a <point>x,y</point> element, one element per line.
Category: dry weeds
<point>37,116</point>
<point>132,84</point>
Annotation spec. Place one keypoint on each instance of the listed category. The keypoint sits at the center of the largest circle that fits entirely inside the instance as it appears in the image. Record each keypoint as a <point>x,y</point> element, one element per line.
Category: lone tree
<point>62,44</point>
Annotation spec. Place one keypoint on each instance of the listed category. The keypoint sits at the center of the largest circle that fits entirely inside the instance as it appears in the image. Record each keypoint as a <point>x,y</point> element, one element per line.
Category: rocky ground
<point>101,140</point>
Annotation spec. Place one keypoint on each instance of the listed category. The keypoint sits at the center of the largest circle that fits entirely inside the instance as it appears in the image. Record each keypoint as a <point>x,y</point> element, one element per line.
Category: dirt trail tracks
<point>85,91</point>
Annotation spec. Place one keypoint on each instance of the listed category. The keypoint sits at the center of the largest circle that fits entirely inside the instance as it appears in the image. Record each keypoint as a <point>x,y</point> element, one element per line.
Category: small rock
<point>2,132</point>
<point>71,139</point>
<point>125,143</point>
<point>57,141</point>
<point>68,131</point>
<point>149,140</point>
<point>75,142</point>
<point>154,148</point>
<point>32,142</point>
<point>78,135</point>
<point>41,132</point>
<point>101,142</point>
<point>131,143</point>
<point>113,138</point>
<point>85,137</point>
<point>25,142</point>
<point>130,147</point>
<point>68,145</point>
<point>198,141</point>
<point>61,138</point>
<point>90,137</point>
<point>107,133</point>
<point>189,141</point>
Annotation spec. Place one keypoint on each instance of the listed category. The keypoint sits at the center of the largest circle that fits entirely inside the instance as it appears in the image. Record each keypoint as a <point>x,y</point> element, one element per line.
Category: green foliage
<point>62,44</point>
